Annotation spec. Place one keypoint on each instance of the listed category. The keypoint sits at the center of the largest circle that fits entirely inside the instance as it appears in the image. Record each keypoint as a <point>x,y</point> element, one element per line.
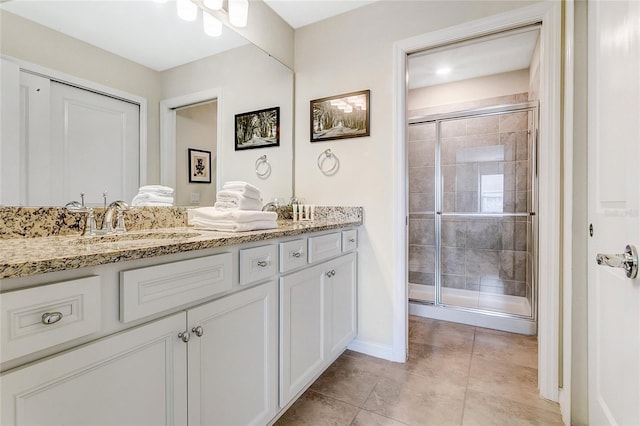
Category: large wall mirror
<point>61,60</point>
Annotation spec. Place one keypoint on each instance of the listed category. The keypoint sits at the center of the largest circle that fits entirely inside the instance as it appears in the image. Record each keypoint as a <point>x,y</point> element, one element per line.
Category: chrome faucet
<point>90,224</point>
<point>107,222</point>
<point>271,207</point>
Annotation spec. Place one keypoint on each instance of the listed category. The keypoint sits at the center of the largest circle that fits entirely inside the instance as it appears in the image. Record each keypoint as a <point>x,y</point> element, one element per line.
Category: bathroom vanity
<point>174,325</point>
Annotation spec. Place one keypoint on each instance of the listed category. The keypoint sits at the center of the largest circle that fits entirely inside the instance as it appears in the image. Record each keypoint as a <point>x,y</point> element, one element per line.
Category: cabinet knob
<point>49,318</point>
<point>198,331</point>
<point>262,263</point>
<point>184,336</point>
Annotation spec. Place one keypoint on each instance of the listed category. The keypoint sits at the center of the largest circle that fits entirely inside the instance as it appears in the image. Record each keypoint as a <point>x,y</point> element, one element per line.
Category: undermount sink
<point>136,236</point>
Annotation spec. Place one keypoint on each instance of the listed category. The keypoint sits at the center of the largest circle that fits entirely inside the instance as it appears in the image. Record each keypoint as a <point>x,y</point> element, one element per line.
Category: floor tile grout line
<point>466,389</point>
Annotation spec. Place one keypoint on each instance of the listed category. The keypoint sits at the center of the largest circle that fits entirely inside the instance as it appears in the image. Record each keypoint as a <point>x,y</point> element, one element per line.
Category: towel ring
<point>263,167</point>
<point>323,158</point>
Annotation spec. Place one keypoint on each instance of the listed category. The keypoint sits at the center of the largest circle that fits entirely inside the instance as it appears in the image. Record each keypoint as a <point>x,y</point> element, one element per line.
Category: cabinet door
<point>233,364</point>
<point>302,330</point>
<point>340,286</point>
<point>133,378</point>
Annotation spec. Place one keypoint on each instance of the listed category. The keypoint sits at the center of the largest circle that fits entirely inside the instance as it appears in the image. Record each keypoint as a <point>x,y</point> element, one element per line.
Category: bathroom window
<point>491,193</point>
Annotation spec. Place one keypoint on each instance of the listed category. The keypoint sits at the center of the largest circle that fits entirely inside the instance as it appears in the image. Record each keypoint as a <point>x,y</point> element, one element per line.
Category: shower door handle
<point>627,260</point>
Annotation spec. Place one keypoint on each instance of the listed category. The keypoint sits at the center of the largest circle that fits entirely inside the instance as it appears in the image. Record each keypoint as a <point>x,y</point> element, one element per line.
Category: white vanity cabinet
<point>227,336</point>
<point>233,359</point>
<point>317,321</point>
<point>136,377</point>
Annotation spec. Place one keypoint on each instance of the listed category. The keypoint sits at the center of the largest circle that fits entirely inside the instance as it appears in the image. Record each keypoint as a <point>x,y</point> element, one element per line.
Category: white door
<point>233,359</point>
<point>94,146</point>
<point>137,377</point>
<point>614,206</point>
<point>340,285</point>
<point>302,330</point>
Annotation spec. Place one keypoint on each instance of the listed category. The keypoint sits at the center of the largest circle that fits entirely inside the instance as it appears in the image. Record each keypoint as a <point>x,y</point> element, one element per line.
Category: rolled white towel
<point>156,189</point>
<point>239,216</point>
<point>243,204</point>
<point>230,226</point>
<point>243,188</point>
<point>144,198</point>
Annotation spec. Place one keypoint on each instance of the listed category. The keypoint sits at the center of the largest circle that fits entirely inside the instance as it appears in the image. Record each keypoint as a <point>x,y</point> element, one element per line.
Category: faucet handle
<point>120,205</point>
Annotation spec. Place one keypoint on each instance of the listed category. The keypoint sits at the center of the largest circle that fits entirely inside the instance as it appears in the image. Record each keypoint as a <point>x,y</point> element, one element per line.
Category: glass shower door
<point>487,189</point>
<point>422,231</point>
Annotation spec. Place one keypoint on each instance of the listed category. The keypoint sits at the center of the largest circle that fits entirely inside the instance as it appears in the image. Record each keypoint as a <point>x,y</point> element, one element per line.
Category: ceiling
<point>150,33</point>
<point>491,55</point>
<point>299,13</point>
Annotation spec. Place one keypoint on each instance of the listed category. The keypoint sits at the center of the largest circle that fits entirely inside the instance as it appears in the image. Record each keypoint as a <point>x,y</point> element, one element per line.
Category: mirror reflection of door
<point>196,128</point>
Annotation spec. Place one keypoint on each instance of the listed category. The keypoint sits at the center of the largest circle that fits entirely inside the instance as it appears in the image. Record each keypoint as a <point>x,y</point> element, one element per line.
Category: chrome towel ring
<point>331,168</point>
<point>263,167</point>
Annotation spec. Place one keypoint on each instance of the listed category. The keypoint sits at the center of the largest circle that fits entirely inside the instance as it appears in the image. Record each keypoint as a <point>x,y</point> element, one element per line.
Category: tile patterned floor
<point>456,375</point>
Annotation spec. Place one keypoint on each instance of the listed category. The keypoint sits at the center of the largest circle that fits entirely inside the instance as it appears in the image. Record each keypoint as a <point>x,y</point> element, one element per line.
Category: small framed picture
<point>258,129</point>
<point>340,117</point>
<point>199,166</point>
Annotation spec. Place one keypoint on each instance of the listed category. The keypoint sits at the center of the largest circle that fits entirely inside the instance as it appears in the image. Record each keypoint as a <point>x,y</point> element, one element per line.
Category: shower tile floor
<point>456,375</point>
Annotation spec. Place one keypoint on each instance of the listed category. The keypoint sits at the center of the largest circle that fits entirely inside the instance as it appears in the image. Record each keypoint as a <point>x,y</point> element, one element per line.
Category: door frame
<point>551,190</point>
<point>168,132</point>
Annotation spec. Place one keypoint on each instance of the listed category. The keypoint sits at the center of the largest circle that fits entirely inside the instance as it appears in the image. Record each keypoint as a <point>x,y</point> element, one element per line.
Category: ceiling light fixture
<point>238,13</point>
<point>212,27</point>
<point>187,10</point>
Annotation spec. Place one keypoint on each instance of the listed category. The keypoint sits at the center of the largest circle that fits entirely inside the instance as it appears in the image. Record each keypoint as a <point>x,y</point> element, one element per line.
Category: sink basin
<point>136,236</point>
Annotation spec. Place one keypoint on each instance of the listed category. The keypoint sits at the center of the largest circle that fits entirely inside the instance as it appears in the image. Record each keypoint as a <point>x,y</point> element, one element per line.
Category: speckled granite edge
<point>22,256</point>
<point>36,222</point>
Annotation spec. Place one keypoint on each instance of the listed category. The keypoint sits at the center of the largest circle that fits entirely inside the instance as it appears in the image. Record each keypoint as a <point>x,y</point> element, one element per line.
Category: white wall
<point>196,127</point>
<point>350,52</point>
<point>248,80</point>
<point>23,39</point>
<point>473,89</point>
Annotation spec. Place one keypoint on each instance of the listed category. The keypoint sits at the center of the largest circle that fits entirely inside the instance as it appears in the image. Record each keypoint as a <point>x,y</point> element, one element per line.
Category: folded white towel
<point>151,198</point>
<point>241,204</point>
<point>239,216</point>
<point>229,226</point>
<point>151,204</point>
<point>243,188</point>
<point>156,189</point>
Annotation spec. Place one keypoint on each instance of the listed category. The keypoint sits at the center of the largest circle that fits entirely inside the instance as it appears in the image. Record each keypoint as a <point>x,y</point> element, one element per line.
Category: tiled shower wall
<point>488,254</point>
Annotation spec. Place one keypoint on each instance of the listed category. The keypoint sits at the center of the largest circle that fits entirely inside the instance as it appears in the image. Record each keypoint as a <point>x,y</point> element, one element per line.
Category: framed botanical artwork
<point>340,117</point>
<point>258,129</point>
<point>199,166</point>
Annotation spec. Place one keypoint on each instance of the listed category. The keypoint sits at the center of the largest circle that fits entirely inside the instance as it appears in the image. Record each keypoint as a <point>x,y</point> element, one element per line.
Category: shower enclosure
<point>472,215</point>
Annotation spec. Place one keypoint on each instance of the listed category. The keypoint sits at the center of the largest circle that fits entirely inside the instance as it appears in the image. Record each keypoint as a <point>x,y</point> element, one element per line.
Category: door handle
<point>627,260</point>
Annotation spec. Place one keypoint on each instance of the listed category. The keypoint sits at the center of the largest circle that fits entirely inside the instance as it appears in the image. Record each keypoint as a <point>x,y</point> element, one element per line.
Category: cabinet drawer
<point>73,309</point>
<point>349,240</point>
<point>147,291</point>
<point>324,247</point>
<point>257,264</point>
<point>293,254</point>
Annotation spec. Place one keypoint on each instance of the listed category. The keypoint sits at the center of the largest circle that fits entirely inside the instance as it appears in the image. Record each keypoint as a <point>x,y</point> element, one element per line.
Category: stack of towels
<point>153,195</point>
<point>238,208</point>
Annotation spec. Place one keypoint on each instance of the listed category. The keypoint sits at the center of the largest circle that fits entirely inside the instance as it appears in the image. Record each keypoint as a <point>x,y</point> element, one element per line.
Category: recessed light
<point>443,70</point>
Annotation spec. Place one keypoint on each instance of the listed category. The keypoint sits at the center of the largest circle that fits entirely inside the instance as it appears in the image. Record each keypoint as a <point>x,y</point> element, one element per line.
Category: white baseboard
<point>374,349</point>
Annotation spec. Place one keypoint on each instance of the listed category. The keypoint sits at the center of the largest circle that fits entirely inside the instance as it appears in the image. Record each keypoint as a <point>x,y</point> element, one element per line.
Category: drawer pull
<point>49,318</point>
<point>184,336</point>
<point>352,240</point>
<point>331,273</point>
<point>198,331</point>
<point>262,263</point>
<point>296,254</point>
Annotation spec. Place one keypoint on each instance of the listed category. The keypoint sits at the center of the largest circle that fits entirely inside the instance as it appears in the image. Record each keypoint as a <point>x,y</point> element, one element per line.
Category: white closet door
<point>95,146</point>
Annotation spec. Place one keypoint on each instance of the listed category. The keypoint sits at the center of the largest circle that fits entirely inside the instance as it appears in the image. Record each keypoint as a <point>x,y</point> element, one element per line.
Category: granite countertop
<point>21,257</point>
